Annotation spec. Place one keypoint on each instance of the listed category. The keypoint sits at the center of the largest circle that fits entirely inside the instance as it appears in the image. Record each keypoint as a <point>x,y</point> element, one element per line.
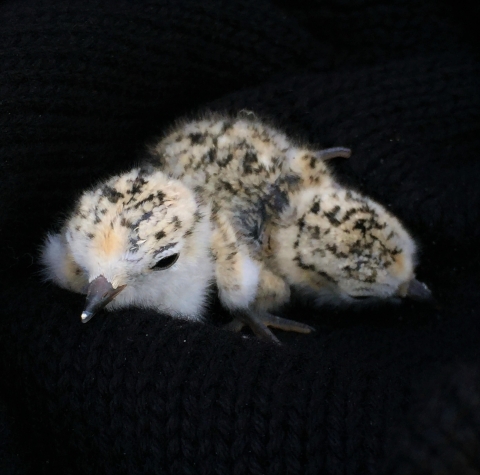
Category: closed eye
<point>166,262</point>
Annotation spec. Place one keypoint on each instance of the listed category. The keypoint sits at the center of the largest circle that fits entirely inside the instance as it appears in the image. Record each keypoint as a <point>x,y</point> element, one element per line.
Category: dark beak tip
<point>100,292</point>
<point>420,292</point>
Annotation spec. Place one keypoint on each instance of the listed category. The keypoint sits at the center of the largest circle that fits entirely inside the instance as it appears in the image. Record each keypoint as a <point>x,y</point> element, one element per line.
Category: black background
<point>390,389</point>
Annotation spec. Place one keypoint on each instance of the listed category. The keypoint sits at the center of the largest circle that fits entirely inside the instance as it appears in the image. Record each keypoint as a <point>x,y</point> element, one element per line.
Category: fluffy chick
<point>231,202</point>
<point>121,238</point>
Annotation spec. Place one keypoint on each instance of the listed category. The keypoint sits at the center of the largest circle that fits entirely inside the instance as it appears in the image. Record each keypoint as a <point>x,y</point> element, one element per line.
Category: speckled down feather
<point>231,201</point>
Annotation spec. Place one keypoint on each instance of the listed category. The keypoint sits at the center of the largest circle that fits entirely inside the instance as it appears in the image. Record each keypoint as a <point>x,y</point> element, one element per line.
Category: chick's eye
<point>166,262</point>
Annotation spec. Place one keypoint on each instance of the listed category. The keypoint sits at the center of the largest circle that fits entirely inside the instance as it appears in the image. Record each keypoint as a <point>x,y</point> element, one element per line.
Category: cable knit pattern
<point>390,389</point>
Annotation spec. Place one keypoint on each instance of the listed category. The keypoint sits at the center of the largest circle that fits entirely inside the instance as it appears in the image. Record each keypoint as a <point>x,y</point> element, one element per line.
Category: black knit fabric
<point>392,389</point>
<point>442,430</point>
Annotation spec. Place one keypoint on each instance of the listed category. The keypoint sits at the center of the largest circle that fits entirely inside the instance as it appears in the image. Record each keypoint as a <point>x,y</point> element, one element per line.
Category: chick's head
<point>138,238</point>
<point>343,244</point>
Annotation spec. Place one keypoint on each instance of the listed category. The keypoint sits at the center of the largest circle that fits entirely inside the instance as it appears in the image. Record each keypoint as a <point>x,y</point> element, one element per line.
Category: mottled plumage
<point>230,201</point>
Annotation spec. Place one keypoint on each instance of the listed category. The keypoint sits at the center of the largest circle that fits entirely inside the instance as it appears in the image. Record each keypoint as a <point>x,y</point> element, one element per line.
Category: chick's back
<point>245,168</point>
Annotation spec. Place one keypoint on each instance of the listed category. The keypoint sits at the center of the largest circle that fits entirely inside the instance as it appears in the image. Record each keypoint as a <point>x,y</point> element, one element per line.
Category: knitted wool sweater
<point>391,389</point>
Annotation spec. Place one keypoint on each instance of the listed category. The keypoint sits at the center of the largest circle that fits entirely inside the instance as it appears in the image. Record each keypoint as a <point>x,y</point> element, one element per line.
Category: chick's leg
<point>245,287</point>
<point>259,322</point>
<point>272,292</point>
<point>333,152</point>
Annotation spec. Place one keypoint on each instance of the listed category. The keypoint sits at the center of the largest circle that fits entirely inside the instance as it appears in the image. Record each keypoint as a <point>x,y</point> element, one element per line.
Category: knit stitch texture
<point>388,390</point>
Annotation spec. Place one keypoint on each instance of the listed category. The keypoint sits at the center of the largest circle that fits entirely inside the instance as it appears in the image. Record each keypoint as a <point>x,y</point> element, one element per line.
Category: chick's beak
<point>419,291</point>
<point>100,292</point>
